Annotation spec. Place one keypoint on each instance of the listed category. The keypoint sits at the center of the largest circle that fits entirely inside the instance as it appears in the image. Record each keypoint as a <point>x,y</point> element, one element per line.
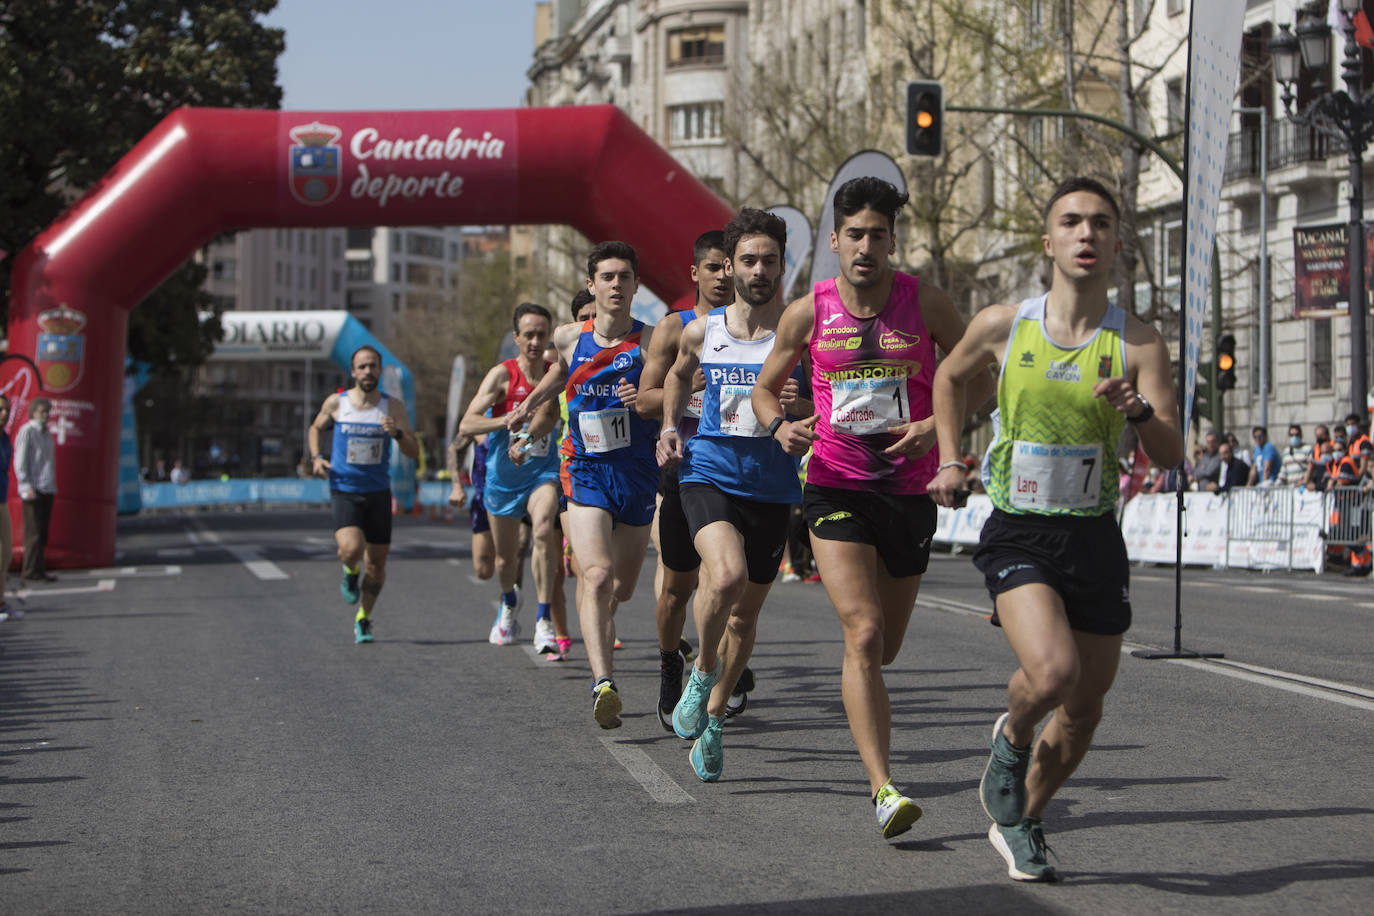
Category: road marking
<point>177,552</point>
<point>1262,589</point>
<point>648,774</point>
<point>1334,692</point>
<point>128,572</point>
<point>1312,597</point>
<point>955,607</point>
<point>199,534</point>
<point>104,585</point>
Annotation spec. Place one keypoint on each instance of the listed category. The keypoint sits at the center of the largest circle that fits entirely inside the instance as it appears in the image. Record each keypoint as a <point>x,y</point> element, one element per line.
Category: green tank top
<point>1055,447</point>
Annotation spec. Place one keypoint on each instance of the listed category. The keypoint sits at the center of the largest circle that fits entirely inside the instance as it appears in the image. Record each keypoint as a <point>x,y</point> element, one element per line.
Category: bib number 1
<point>865,406</point>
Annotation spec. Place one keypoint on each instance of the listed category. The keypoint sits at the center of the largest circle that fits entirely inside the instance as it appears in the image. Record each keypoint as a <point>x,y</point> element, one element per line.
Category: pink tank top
<point>869,374</point>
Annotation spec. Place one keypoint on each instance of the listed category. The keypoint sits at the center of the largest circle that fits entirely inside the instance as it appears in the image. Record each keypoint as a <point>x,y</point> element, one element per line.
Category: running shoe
<point>606,704</point>
<point>1003,787</point>
<point>790,575</point>
<point>1023,847</point>
<point>544,641</point>
<point>4,612</point>
<point>348,587</point>
<point>814,578</point>
<point>739,697</point>
<point>669,686</point>
<point>896,812</point>
<point>617,644</point>
<point>707,757</point>
<point>504,630</point>
<point>15,611</point>
<point>685,649</point>
<point>362,627</point>
<point>689,715</point>
<point>564,649</point>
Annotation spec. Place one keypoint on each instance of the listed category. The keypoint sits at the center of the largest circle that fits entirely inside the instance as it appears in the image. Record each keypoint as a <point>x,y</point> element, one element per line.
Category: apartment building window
<point>300,241</point>
<point>314,243</point>
<point>300,276</point>
<point>1173,253</point>
<point>426,246</point>
<point>696,123</point>
<point>421,274</point>
<point>1173,105</point>
<point>1319,345</point>
<point>336,247</point>
<point>224,269</point>
<point>696,47</point>
<point>276,303</point>
<point>314,278</point>
<point>395,273</point>
<point>396,241</point>
<point>359,271</point>
<point>334,281</point>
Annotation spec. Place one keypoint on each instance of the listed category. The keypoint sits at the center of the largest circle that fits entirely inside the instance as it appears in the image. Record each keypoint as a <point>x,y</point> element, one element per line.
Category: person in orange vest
<point>1353,524</point>
<point>1361,449</point>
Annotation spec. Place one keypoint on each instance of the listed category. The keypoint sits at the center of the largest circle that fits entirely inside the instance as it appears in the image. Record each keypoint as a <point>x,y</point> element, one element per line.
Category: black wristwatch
<point>1145,414</point>
<point>773,427</point>
<point>397,434</point>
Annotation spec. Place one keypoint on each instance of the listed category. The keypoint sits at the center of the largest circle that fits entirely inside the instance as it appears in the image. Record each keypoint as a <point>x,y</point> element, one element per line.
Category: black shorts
<point>368,511</point>
<point>900,526</point>
<point>763,525</point>
<point>1083,559</point>
<point>675,546</point>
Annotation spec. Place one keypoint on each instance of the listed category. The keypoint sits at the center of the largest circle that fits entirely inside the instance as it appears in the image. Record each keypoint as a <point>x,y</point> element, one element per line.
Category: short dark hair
<point>581,298</point>
<point>530,308</point>
<point>868,193</point>
<point>370,349</point>
<point>1353,416</point>
<point>1260,429</point>
<point>607,250</point>
<point>1293,426</point>
<point>36,403</point>
<point>709,241</point>
<point>750,221</point>
<point>1081,183</point>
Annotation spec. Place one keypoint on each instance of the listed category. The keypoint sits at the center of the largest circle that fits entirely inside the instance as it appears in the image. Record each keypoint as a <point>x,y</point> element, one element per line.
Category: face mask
<point>1337,454</point>
<point>1352,431</point>
<point>1295,441</point>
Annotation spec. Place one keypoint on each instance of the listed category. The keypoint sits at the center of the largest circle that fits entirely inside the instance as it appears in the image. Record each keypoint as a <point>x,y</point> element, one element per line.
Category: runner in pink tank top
<point>870,375</point>
<point>871,341</point>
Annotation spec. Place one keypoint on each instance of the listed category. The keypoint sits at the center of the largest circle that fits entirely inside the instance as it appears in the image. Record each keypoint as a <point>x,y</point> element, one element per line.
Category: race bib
<point>865,406</point>
<point>693,406</point>
<point>539,448</point>
<point>604,430</point>
<point>365,450</point>
<point>737,412</point>
<point>1047,476</point>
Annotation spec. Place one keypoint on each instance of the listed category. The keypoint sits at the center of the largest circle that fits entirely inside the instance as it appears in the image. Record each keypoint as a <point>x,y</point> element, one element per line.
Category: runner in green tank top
<point>1074,370</point>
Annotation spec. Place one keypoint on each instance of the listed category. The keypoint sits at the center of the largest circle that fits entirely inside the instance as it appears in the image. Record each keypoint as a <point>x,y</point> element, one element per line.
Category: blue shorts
<point>503,501</point>
<point>477,512</point>
<point>607,486</point>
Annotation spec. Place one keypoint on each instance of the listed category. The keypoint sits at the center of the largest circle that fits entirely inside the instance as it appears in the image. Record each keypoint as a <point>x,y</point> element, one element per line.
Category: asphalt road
<point>196,731</point>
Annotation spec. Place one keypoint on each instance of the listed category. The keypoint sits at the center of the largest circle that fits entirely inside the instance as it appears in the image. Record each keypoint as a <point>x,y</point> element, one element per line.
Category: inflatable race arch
<point>202,172</point>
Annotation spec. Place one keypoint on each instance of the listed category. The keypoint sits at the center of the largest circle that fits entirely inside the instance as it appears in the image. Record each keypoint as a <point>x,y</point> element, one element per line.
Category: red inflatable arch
<point>202,172</point>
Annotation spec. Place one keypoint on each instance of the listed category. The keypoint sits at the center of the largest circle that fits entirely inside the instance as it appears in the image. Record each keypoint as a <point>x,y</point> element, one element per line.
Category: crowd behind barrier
<point>1247,528</point>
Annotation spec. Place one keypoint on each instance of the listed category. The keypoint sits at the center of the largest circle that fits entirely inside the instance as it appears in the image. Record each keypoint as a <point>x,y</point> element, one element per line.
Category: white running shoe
<point>545,643</point>
<point>505,630</point>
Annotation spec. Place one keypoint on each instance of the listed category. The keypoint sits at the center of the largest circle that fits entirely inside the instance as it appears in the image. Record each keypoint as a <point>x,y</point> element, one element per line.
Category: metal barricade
<point>1261,516</point>
<point>1347,517</point>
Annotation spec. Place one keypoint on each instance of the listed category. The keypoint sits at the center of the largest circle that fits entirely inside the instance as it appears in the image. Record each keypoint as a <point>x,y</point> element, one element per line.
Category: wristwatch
<point>1145,414</point>
<point>773,427</point>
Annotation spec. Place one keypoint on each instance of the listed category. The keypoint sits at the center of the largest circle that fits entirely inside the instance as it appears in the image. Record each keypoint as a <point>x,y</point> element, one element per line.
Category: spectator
<point>1360,447</point>
<point>1231,473</point>
<point>179,473</point>
<point>1344,469</point>
<point>6,532</point>
<point>1295,459</point>
<point>1242,454</point>
<point>1205,466</point>
<point>1317,467</point>
<point>1265,462</point>
<point>35,473</point>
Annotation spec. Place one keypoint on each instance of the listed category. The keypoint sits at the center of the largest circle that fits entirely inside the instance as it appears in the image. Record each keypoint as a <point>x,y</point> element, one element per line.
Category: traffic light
<point>925,118</point>
<point>1226,362</point>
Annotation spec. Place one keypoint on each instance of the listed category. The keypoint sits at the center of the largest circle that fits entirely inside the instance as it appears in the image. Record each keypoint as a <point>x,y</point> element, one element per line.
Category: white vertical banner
<point>1213,68</point>
<point>799,241</point>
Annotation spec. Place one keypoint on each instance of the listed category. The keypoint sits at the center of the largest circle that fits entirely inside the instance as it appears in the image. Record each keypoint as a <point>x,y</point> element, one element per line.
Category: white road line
<point>198,534</point>
<point>1297,685</point>
<point>648,774</point>
<point>128,572</point>
<point>104,585</point>
<point>177,552</point>
<point>1261,589</point>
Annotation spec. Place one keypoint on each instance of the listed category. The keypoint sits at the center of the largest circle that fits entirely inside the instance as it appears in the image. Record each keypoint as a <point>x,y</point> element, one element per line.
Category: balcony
<point>1288,144</point>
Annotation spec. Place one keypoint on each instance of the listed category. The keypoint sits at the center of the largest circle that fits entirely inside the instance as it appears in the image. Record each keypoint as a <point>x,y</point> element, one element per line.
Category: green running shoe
<point>1023,847</point>
<point>707,757</point>
<point>1003,787</point>
<point>362,628</point>
<point>606,704</point>
<point>689,715</point>
<point>896,812</point>
<point>348,587</point>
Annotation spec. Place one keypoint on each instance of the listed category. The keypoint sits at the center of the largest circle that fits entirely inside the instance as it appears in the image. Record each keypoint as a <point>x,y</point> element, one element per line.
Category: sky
<point>368,55</point>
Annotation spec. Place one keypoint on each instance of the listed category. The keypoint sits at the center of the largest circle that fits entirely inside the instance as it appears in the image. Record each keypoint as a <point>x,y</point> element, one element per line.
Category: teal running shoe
<point>689,715</point>
<point>896,812</point>
<point>707,757</point>
<point>1002,789</point>
<point>348,587</point>
<point>1023,847</point>
<point>362,628</point>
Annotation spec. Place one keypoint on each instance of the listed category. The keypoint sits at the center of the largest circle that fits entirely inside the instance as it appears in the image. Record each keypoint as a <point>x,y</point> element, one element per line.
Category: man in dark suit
<point>1231,472</point>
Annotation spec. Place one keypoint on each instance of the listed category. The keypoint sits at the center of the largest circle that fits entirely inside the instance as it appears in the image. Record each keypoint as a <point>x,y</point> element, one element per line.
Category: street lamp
<point>1347,116</point>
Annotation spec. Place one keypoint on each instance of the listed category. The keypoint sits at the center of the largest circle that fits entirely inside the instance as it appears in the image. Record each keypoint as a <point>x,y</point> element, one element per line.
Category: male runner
<point>676,576</point>
<point>611,473</point>
<point>1074,370</point>
<point>522,477</point>
<point>871,333</point>
<point>365,421</point>
<point>737,485</point>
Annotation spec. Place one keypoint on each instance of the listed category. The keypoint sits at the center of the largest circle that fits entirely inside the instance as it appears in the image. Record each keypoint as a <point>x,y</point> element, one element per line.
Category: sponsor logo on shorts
<point>1125,594</point>
<point>833,517</point>
<point>925,542</point>
<point>1008,570</point>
